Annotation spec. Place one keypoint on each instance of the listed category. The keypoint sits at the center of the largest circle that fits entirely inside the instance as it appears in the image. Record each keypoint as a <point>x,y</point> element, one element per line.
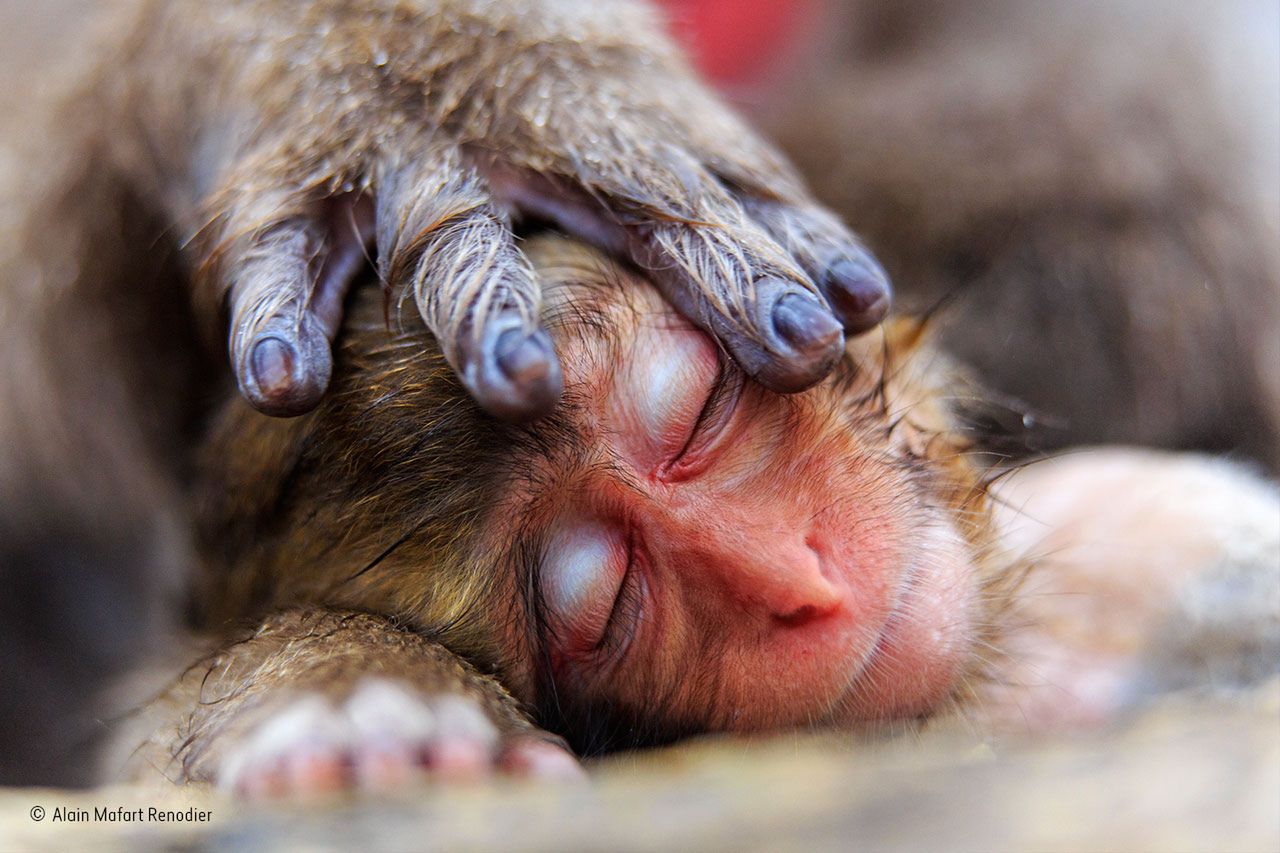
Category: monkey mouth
<point>864,668</point>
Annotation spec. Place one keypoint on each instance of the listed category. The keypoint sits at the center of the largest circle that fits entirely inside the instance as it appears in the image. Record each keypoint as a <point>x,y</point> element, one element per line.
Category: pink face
<point>731,558</point>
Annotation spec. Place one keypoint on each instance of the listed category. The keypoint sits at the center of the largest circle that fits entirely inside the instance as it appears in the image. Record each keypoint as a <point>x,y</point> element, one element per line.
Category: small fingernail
<point>524,359</point>
<point>460,759</point>
<point>805,324</point>
<point>859,291</point>
<point>273,363</point>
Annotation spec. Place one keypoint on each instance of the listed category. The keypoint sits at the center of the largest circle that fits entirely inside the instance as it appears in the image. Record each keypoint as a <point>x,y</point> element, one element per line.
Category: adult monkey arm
<point>285,138</point>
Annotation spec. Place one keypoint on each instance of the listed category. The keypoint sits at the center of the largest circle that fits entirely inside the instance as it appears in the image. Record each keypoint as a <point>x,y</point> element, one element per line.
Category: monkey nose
<point>812,600</point>
<point>792,587</point>
<point>802,615</point>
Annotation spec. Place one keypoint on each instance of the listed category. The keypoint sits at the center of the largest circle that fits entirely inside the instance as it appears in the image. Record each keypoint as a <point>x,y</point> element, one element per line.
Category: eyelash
<point>619,628</point>
<point>720,399</point>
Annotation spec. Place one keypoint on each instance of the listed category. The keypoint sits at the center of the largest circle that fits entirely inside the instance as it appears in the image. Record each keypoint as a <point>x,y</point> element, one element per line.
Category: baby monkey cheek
<point>929,640</point>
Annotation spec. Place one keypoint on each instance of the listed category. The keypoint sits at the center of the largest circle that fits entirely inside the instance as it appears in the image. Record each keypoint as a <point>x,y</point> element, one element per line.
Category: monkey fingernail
<point>811,341</point>
<point>273,362</point>
<point>316,770</point>
<point>859,292</point>
<point>264,782</point>
<point>524,360</point>
<point>385,767</point>
<point>534,759</point>
<point>522,379</point>
<point>285,377</point>
<point>459,760</point>
<point>804,324</point>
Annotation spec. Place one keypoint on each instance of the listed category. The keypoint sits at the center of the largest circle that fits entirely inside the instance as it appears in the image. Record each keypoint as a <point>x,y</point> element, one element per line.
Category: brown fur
<point>382,501</point>
<point>1091,187</point>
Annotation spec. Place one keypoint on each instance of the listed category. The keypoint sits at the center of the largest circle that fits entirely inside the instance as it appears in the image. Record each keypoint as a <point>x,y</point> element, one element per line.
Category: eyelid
<point>619,628</point>
<point>721,400</point>
<point>580,566</point>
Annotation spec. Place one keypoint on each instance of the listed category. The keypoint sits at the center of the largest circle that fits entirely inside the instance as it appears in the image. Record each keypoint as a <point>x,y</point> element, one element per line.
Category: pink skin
<point>383,737</point>
<point>314,771</point>
<point>774,552</point>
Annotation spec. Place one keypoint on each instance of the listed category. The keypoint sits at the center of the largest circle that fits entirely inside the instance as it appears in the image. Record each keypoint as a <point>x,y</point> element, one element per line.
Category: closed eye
<point>625,616</point>
<point>595,593</point>
<point>717,411</point>
<point>583,570</point>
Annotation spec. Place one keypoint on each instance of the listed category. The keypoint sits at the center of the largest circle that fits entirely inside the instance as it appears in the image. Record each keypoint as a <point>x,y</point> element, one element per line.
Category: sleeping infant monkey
<point>402,587</point>
<point>537,503</point>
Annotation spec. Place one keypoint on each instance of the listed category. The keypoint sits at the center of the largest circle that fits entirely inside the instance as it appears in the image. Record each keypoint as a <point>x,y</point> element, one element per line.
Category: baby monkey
<point>674,551</point>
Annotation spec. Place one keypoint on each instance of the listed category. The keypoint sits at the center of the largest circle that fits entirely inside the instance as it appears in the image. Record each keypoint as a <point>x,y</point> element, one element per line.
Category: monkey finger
<point>532,757</point>
<point>297,750</point>
<point>463,746</point>
<point>441,240</point>
<point>385,764</point>
<point>287,288</point>
<point>778,331</point>
<point>731,278</point>
<point>855,285</point>
<point>712,262</point>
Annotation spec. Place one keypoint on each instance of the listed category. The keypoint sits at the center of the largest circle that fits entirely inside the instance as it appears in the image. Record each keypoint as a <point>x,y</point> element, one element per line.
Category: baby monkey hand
<point>417,133</point>
<point>317,700</point>
<point>384,736</point>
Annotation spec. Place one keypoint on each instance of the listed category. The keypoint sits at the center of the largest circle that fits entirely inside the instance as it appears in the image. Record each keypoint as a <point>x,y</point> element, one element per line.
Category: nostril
<point>798,617</point>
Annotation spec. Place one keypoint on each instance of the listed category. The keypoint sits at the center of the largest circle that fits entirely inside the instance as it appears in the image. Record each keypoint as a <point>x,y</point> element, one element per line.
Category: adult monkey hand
<point>419,130</point>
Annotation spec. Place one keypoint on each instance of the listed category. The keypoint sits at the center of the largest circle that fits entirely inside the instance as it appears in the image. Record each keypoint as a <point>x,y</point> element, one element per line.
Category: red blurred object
<point>739,41</point>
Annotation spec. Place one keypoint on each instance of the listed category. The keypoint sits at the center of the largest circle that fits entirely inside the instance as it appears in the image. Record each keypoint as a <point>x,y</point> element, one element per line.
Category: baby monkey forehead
<point>592,308</point>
